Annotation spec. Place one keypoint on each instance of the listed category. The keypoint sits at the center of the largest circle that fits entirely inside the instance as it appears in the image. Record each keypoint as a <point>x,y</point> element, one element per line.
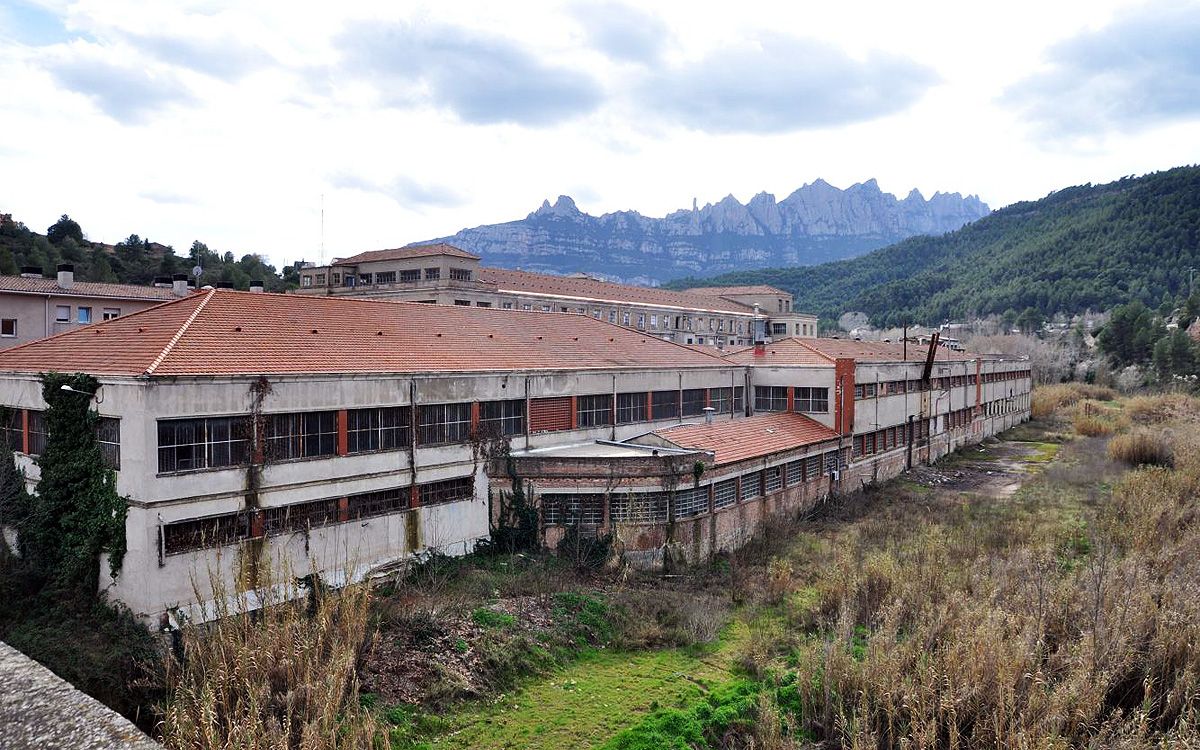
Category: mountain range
<point>815,224</point>
<point>1079,248</point>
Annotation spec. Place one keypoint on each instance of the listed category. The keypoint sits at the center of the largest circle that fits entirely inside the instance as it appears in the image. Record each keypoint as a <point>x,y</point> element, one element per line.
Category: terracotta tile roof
<point>741,439</point>
<point>23,285</point>
<point>404,253</point>
<point>879,351</point>
<point>593,290</point>
<point>783,352</point>
<point>724,291</point>
<point>223,332</point>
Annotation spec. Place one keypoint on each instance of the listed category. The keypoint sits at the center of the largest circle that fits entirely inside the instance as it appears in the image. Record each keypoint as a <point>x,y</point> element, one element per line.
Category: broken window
<point>691,502</point>
<point>447,491</point>
<point>300,516</point>
<point>774,478</point>
<point>444,423</point>
<point>205,443</point>
<point>562,509</point>
<point>299,435</point>
<point>370,504</point>
<point>215,531</point>
<point>378,429</point>
<point>505,418</point>
<point>639,507</point>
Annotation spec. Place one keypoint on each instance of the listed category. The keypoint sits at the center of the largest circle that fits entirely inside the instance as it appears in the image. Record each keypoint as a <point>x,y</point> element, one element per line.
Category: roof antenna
<point>322,229</point>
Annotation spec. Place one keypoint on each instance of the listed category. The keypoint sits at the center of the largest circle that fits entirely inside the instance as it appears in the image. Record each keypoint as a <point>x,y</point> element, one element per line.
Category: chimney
<point>31,272</point>
<point>162,282</point>
<point>224,285</point>
<point>66,275</point>
<point>760,334</point>
<point>256,286</point>
<point>179,284</point>
<point>709,411</point>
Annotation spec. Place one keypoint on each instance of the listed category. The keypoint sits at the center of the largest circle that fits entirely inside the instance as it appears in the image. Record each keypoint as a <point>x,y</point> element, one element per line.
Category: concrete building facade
<point>446,275</point>
<point>33,307</point>
<point>347,435</point>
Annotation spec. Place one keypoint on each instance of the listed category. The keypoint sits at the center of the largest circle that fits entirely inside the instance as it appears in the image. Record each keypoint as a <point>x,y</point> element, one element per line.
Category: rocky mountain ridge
<point>815,224</point>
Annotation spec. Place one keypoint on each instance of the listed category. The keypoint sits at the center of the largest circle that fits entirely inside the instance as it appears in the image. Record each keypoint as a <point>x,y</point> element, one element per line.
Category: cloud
<point>1141,70</point>
<point>126,91</point>
<point>166,197</point>
<point>782,84</point>
<point>404,190</point>
<point>225,59</point>
<point>622,32</point>
<point>483,79</point>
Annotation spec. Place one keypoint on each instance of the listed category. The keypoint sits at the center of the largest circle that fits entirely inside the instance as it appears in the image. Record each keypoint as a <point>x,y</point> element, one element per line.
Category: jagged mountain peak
<point>815,223</point>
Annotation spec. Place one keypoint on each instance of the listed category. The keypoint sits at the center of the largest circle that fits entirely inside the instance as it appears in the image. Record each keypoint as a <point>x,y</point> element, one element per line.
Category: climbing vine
<point>76,514</point>
<point>14,498</point>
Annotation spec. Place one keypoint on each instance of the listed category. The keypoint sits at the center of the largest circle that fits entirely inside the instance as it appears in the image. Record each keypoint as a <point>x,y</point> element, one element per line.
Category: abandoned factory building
<point>349,434</point>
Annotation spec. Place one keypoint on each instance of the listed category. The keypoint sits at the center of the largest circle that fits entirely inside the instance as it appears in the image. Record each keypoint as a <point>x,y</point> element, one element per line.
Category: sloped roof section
<point>725,291</point>
<point>788,351</point>
<point>879,351</point>
<point>224,332</point>
<point>741,439</point>
<point>594,290</point>
<point>405,253</point>
<point>23,285</point>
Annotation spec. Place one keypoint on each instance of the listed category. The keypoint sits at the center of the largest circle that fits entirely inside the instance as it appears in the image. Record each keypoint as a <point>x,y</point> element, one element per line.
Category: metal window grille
<point>300,435</point>
<point>774,478</point>
<point>693,402</point>
<point>205,443</point>
<point>811,400</point>
<point>795,472</point>
<point>215,531</point>
<point>573,509</point>
<point>370,504</point>
<point>770,398</point>
<point>725,493</point>
<point>665,404</point>
<point>593,411</point>
<point>300,516</point>
<point>639,507</point>
<point>439,424</point>
<point>751,485</point>
<point>691,502</point>
<point>383,428</point>
<point>505,418</point>
<point>447,491</point>
<point>631,407</point>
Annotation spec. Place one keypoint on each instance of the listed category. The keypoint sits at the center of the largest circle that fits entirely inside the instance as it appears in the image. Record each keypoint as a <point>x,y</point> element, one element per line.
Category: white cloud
<point>227,122</point>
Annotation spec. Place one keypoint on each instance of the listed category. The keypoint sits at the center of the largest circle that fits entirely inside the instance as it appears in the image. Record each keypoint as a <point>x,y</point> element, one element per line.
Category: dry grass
<point>1162,407</point>
<point>1048,399</point>
<point>281,677</point>
<point>1067,617</point>
<point>1092,419</point>
<point>1142,448</point>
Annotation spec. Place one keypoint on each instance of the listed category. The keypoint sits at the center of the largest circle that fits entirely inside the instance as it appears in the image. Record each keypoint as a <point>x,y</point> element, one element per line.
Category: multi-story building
<point>33,307</point>
<point>346,435</point>
<point>446,275</point>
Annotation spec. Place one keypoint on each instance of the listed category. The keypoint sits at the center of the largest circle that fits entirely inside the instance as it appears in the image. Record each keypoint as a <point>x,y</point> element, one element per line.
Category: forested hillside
<point>133,260</point>
<point>1090,246</point>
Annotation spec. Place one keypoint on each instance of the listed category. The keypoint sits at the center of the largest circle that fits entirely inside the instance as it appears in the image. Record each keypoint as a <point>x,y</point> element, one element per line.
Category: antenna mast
<point>322,229</point>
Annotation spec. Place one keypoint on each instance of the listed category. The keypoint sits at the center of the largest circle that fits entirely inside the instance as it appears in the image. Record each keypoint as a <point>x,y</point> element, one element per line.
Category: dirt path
<point>996,468</point>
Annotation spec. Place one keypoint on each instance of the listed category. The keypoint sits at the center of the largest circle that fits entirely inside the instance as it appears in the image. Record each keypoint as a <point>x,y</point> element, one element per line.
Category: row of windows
<point>893,387</point>
<point>587,509</point>
<point>229,528</point>
<point>888,438</point>
<point>960,418</point>
<point>108,435</point>
<point>775,398</point>
<point>406,276</point>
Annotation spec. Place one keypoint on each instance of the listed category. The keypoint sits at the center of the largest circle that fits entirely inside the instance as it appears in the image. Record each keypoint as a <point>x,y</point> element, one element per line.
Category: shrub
<point>1142,448</point>
<point>1161,408</point>
<point>1048,399</point>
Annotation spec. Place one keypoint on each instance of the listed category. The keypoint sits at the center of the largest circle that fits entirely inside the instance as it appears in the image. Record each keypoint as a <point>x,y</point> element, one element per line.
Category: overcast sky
<point>227,122</point>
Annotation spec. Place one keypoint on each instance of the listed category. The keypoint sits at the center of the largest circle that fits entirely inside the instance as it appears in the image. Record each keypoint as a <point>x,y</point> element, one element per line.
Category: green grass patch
<point>490,618</point>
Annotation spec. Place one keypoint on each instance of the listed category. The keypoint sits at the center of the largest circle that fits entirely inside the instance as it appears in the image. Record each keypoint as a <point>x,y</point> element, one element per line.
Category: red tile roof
<point>879,351</point>
<point>404,253</point>
<point>740,439</point>
<point>593,290</point>
<point>223,332</point>
<point>23,285</point>
<point>725,291</point>
<point>783,352</point>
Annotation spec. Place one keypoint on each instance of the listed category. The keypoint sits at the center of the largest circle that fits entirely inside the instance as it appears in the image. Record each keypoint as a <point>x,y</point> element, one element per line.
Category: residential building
<point>348,435</point>
<point>33,307</point>
<point>446,275</point>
